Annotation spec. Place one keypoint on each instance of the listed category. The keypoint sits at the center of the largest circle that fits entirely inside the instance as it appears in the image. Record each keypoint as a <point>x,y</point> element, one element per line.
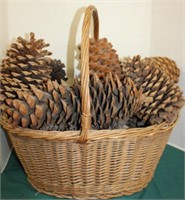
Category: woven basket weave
<point>89,164</point>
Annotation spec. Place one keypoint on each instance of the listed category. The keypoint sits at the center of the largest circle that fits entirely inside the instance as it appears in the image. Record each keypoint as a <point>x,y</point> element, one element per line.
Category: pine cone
<point>166,65</point>
<point>58,72</point>
<point>113,101</point>
<point>55,109</point>
<point>103,58</point>
<point>166,97</point>
<point>28,63</point>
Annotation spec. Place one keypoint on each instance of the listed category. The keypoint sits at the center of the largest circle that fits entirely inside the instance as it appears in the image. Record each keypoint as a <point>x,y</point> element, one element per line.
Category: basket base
<point>76,193</point>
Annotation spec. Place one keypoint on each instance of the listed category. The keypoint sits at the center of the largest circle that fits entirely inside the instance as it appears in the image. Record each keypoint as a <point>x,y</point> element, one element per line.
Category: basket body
<point>102,168</point>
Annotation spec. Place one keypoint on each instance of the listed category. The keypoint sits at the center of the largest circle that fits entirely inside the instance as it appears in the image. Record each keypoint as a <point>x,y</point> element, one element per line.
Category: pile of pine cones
<point>130,93</point>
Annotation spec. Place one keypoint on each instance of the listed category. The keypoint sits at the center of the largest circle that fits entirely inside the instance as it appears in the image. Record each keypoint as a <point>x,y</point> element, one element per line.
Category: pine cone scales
<point>101,53</point>
<point>56,109</point>
<point>58,72</point>
<point>103,59</point>
<point>112,101</point>
<point>166,97</point>
<point>10,85</point>
<point>25,55</point>
<point>167,66</point>
<point>28,63</point>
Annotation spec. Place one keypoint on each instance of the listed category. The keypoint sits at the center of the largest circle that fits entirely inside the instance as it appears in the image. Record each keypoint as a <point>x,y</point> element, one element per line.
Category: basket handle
<point>90,12</point>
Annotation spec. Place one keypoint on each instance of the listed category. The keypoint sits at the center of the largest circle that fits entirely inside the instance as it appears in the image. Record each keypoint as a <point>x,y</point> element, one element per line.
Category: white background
<point>148,28</point>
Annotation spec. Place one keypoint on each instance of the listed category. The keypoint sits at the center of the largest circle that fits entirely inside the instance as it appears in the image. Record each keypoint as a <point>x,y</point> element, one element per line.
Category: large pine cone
<point>113,101</point>
<point>166,96</point>
<point>103,59</point>
<point>56,108</point>
<point>28,63</point>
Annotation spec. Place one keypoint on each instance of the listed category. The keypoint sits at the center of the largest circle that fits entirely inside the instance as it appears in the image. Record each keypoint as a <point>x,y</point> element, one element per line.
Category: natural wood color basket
<point>89,164</point>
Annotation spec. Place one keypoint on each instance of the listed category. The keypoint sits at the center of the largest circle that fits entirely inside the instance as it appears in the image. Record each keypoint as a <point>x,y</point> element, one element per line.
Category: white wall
<point>168,39</point>
<point>133,27</point>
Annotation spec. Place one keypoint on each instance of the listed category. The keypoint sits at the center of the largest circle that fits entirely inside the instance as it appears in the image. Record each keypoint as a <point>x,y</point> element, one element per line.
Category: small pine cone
<point>166,65</point>
<point>166,98</point>
<point>27,63</point>
<point>103,59</point>
<point>113,101</point>
<point>56,108</point>
<point>58,71</point>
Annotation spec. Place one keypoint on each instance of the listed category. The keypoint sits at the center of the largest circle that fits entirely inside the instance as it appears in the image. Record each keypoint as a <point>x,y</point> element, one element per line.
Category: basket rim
<point>93,134</point>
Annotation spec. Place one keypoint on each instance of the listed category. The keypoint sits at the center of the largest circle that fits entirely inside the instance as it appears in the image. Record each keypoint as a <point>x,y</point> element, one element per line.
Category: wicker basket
<point>89,164</point>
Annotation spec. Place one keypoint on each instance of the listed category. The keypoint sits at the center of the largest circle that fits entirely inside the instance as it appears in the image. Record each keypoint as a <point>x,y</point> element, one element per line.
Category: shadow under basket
<point>89,164</point>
